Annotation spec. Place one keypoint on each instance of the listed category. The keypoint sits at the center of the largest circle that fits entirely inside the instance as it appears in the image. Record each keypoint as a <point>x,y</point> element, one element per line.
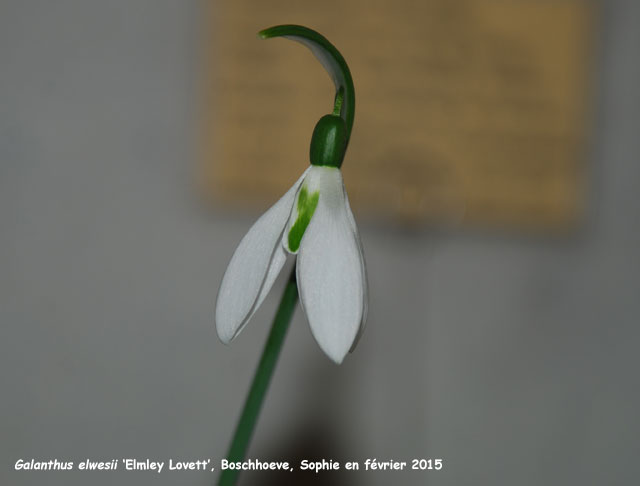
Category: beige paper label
<point>469,110</point>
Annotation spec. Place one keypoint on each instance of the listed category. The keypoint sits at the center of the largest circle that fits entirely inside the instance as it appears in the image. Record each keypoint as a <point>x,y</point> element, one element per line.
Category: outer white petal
<point>253,268</point>
<point>363,265</point>
<point>330,271</point>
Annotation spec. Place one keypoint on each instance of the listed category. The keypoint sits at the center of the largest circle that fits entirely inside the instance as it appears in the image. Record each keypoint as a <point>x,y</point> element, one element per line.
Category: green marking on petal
<point>306,207</point>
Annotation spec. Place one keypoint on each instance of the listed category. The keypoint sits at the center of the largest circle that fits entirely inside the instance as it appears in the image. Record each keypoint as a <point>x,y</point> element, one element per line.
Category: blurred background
<point>504,343</point>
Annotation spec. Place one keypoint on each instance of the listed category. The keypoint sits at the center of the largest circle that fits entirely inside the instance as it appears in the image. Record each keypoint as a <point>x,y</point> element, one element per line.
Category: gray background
<point>513,359</point>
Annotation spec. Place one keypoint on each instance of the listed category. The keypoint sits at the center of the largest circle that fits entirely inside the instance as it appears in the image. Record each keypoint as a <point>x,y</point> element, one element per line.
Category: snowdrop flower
<point>313,221</point>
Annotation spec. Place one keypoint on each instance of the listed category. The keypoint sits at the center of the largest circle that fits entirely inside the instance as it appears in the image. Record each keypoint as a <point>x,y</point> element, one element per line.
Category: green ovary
<point>306,207</point>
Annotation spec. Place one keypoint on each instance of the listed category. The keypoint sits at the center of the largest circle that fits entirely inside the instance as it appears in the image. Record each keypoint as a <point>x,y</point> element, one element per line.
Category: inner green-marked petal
<point>306,207</point>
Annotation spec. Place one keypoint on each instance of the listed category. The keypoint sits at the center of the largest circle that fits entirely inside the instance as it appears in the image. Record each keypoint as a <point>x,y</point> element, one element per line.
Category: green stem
<point>253,403</point>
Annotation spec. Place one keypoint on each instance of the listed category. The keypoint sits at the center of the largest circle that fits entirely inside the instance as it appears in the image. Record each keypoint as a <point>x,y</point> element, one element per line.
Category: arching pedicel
<point>332,133</point>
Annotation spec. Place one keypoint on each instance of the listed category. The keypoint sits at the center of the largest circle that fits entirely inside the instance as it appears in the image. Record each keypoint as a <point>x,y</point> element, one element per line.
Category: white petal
<point>253,268</point>
<point>363,265</point>
<point>330,271</point>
